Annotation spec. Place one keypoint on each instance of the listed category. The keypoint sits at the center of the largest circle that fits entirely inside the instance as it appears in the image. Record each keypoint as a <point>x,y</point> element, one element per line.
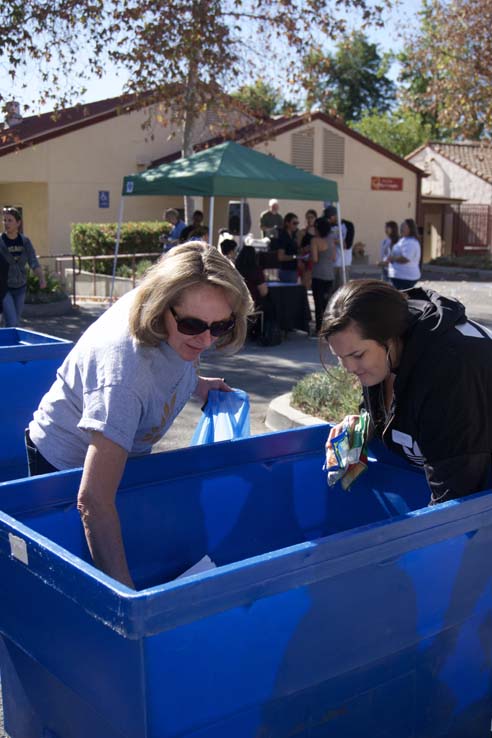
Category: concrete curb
<point>281,416</point>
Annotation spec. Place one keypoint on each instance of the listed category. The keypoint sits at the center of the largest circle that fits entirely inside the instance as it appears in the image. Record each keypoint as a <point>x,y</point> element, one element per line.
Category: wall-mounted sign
<point>104,198</point>
<point>387,183</point>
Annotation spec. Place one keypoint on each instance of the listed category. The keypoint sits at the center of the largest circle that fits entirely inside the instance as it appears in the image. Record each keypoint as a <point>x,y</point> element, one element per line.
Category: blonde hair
<point>188,265</point>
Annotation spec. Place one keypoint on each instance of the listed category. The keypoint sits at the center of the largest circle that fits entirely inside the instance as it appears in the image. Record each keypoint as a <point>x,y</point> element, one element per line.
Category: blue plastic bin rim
<point>136,614</point>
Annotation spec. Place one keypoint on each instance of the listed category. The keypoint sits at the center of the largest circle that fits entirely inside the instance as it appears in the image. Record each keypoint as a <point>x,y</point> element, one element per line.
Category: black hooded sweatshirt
<point>441,416</point>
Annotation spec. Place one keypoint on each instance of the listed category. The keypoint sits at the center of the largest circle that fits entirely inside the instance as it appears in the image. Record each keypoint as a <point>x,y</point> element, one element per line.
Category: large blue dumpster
<point>28,364</point>
<point>330,613</point>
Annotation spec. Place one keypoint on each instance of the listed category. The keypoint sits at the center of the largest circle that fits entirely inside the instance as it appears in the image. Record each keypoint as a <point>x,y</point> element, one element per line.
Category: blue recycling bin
<point>330,613</point>
<point>28,364</point>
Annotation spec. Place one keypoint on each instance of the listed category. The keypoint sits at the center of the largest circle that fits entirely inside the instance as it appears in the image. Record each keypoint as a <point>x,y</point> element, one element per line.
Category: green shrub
<point>97,239</point>
<point>329,395</point>
<point>468,261</point>
<point>53,292</point>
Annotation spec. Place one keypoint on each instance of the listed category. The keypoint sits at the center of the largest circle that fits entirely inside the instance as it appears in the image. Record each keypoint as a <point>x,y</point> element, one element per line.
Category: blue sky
<point>398,25</point>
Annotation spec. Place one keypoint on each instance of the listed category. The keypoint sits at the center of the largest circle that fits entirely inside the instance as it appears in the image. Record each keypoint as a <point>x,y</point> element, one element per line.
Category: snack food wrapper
<point>346,456</point>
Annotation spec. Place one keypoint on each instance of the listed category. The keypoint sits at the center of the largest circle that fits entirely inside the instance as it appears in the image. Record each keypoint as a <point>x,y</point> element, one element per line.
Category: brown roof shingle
<point>474,156</point>
<point>254,133</point>
<point>37,128</point>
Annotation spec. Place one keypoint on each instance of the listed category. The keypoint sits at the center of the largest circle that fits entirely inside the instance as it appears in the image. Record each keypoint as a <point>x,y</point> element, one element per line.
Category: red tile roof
<point>474,156</point>
<point>37,128</point>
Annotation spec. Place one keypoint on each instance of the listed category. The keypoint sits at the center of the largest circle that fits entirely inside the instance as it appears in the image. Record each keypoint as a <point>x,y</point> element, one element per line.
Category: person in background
<point>18,252</point>
<point>248,267</point>
<point>425,374</point>
<point>194,228</point>
<point>228,247</point>
<point>4,280</point>
<point>404,261</point>
<point>172,238</point>
<point>287,252</point>
<point>323,255</point>
<point>304,236</point>
<point>331,215</point>
<point>392,236</point>
<point>270,220</point>
<point>128,377</point>
<point>199,234</point>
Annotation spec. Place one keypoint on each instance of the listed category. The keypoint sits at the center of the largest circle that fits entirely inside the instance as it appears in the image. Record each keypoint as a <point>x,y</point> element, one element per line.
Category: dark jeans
<point>322,290</point>
<point>403,284</point>
<point>35,460</point>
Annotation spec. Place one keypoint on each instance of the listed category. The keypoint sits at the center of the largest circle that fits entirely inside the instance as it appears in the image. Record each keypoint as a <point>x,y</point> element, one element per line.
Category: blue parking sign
<point>104,198</point>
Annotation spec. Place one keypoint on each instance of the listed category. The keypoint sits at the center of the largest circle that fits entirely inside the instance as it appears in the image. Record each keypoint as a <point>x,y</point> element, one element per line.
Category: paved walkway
<point>264,373</point>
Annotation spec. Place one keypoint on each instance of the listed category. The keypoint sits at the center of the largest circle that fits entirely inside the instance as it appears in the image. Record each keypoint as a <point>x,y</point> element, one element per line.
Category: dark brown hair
<point>14,212</point>
<point>393,229</point>
<point>379,311</point>
<point>412,227</point>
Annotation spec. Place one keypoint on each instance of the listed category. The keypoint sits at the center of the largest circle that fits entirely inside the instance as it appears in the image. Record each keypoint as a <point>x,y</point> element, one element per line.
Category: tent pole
<point>117,247</point>
<point>241,223</point>
<point>211,221</point>
<point>340,236</point>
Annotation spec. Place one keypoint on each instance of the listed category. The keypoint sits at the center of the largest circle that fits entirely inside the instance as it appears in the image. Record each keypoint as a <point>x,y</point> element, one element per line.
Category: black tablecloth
<point>291,305</point>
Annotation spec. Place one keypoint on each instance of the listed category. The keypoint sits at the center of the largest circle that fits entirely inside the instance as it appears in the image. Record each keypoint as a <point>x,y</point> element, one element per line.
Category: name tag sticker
<point>18,548</point>
<point>402,439</point>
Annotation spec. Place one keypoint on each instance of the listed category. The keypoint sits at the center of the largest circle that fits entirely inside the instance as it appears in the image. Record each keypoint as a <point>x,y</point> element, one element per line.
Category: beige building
<point>374,185</point>
<point>456,195</point>
<point>70,169</point>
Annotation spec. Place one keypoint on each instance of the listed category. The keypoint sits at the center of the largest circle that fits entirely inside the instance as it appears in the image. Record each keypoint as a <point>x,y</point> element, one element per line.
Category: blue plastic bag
<point>225,417</point>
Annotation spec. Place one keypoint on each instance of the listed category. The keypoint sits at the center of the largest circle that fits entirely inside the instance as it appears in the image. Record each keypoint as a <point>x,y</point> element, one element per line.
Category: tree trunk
<point>190,114</point>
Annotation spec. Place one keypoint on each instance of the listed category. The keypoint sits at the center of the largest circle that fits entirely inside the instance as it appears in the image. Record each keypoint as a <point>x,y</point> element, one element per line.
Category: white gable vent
<point>302,149</point>
<point>333,153</point>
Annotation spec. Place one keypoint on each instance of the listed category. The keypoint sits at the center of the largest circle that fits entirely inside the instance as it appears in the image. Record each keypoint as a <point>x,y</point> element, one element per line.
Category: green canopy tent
<point>228,170</point>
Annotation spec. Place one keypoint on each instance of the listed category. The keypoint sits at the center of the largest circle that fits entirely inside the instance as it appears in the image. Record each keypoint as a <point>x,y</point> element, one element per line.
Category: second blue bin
<point>28,364</point>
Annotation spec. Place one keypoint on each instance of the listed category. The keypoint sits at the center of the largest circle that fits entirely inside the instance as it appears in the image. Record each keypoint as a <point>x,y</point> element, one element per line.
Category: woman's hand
<point>208,383</point>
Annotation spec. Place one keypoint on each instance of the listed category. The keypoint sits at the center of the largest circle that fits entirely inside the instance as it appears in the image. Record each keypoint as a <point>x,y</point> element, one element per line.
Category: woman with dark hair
<point>287,252</point>
<point>425,374</point>
<point>18,252</point>
<point>404,261</point>
<point>304,238</point>
<point>253,275</point>
<point>391,238</point>
<point>323,254</point>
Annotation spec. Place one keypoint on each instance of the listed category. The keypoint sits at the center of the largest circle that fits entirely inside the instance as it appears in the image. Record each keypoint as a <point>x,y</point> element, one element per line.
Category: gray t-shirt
<point>112,384</point>
<point>323,269</point>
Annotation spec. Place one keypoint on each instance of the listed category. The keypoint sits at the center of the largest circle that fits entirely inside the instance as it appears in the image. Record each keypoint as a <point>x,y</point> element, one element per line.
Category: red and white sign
<point>394,184</point>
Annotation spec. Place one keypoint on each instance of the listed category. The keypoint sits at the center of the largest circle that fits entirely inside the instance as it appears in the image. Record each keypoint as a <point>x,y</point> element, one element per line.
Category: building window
<point>302,153</point>
<point>333,153</point>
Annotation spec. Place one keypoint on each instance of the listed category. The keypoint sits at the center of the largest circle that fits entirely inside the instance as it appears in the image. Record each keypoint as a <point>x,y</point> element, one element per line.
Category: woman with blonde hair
<point>129,376</point>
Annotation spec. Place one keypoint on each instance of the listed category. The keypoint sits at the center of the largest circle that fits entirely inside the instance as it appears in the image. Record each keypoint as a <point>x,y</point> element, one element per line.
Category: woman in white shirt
<point>392,237</point>
<point>404,260</point>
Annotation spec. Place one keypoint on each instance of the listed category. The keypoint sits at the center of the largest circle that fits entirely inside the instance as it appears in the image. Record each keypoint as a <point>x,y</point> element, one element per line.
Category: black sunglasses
<point>195,326</point>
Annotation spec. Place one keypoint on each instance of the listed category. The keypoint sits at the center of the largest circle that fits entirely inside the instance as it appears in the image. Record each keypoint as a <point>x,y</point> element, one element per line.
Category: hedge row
<point>97,239</point>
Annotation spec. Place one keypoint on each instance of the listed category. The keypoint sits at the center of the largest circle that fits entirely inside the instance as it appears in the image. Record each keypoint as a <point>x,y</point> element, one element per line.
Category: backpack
<point>349,238</point>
